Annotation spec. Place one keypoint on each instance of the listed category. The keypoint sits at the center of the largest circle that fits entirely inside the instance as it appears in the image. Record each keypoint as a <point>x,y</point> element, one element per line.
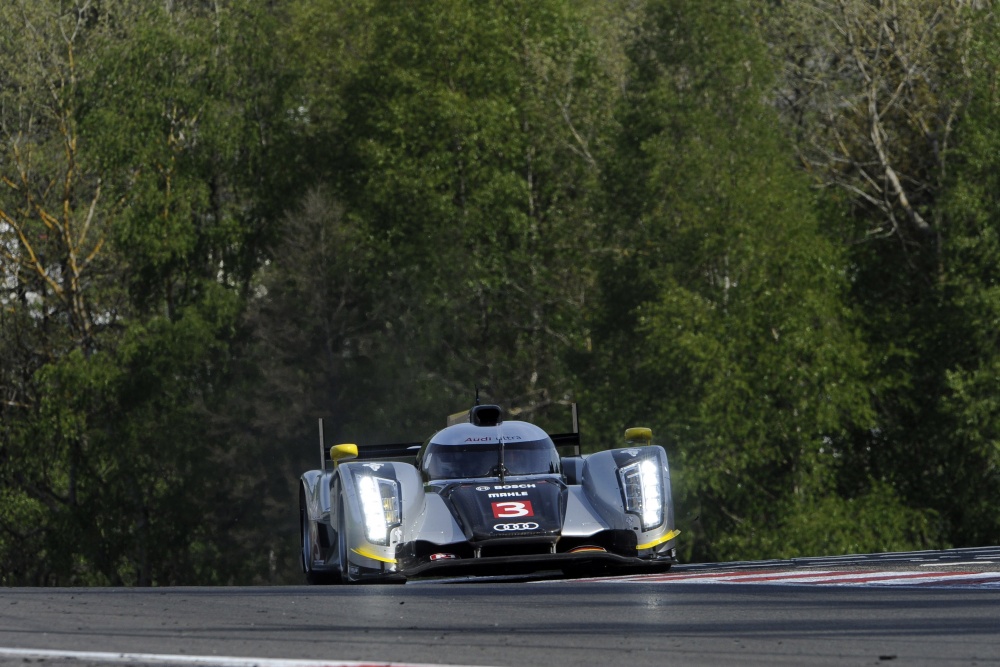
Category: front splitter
<point>527,564</point>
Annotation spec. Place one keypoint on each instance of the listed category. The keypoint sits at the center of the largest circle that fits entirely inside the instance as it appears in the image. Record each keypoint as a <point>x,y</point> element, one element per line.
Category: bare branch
<point>874,90</point>
<point>33,262</point>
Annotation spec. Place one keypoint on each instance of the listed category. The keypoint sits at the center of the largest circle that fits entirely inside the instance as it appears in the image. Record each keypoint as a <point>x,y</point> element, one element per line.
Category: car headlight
<point>642,486</point>
<point>379,506</point>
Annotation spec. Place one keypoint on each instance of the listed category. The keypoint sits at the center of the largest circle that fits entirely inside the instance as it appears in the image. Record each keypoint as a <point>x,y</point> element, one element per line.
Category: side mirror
<point>638,436</point>
<point>340,453</point>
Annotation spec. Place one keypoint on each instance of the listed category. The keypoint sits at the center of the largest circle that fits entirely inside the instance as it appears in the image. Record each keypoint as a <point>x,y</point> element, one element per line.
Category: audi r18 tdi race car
<point>486,496</point>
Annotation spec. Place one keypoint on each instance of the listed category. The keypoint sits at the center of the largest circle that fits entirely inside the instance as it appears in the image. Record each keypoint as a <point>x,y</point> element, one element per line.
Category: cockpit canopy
<point>465,461</point>
<point>467,451</point>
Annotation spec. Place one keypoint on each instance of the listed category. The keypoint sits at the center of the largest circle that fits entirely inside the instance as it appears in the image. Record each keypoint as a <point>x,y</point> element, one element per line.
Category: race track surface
<point>930,608</point>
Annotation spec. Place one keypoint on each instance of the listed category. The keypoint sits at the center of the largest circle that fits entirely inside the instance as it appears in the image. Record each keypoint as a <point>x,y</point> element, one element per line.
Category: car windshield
<point>463,461</point>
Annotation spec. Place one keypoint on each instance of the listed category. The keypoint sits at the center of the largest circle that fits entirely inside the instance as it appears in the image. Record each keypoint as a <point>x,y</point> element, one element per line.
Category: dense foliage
<point>769,231</point>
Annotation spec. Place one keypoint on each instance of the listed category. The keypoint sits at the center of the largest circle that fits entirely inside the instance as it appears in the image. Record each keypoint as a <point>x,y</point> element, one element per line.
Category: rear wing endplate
<point>570,441</point>
<point>403,452</point>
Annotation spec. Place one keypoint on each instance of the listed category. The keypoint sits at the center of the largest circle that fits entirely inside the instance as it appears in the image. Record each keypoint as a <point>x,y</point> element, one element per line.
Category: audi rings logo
<point>514,527</point>
<point>482,488</point>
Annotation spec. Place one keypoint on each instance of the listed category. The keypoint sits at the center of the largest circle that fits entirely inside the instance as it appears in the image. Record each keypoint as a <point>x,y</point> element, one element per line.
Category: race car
<point>486,496</point>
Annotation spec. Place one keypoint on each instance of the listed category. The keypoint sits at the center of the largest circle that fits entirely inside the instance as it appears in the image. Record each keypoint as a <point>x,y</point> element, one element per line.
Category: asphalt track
<point>930,608</point>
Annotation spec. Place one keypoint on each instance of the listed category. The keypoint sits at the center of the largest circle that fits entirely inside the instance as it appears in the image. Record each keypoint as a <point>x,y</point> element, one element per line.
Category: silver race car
<point>486,496</point>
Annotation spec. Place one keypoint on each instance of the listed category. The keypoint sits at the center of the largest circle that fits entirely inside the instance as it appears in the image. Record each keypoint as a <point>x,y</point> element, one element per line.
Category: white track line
<point>205,660</point>
<point>823,578</point>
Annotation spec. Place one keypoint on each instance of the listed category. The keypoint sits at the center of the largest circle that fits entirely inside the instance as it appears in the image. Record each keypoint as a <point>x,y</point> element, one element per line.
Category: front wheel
<point>309,552</point>
<point>342,549</point>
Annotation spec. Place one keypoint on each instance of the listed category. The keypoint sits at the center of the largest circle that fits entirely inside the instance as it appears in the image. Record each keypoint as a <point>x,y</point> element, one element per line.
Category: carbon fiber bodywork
<point>386,516</point>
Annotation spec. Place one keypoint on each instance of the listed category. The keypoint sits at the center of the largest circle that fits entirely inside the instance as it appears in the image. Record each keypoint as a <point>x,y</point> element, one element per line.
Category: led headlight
<point>642,487</point>
<point>380,507</point>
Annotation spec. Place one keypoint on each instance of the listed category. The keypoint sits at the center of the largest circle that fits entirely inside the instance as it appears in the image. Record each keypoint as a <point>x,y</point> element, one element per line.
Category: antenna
<point>322,447</point>
<point>502,469</point>
<point>503,466</point>
<point>477,394</point>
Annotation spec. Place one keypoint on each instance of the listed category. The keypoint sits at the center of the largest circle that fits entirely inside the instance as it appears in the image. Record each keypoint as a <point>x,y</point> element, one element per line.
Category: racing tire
<point>343,561</point>
<point>312,576</point>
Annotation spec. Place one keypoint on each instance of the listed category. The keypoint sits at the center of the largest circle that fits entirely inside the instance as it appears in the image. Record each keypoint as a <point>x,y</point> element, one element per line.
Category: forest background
<point>767,230</point>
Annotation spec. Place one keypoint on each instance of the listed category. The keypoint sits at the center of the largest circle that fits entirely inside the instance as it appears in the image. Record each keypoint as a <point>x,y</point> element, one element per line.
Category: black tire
<point>342,559</point>
<point>305,538</point>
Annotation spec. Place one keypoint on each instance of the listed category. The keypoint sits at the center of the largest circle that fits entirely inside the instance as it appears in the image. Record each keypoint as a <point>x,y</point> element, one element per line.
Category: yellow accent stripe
<point>373,556</point>
<point>666,538</point>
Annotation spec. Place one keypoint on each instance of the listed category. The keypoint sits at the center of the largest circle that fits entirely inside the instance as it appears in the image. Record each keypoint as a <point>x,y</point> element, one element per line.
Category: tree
<point>885,100</point>
<point>129,243</point>
<point>55,217</point>
<point>962,478</point>
<point>873,92</point>
<point>465,151</point>
<point>738,345</point>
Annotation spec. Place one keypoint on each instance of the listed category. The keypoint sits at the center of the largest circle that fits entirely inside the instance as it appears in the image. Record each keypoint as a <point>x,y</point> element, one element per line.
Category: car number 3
<point>512,508</point>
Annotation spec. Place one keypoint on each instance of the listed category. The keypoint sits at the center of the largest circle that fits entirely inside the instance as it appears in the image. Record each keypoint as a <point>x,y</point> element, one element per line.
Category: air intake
<point>486,415</point>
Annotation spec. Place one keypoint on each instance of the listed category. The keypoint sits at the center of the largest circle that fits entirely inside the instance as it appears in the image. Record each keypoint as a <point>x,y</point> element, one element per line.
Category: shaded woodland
<point>768,230</point>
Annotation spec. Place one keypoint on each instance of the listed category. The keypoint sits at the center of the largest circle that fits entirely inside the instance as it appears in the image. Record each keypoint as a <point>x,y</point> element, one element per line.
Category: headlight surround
<point>642,488</point>
<point>380,506</point>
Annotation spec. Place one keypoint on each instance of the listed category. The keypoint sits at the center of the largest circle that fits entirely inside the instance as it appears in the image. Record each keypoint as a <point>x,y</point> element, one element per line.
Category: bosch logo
<point>515,527</point>
<point>508,487</point>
